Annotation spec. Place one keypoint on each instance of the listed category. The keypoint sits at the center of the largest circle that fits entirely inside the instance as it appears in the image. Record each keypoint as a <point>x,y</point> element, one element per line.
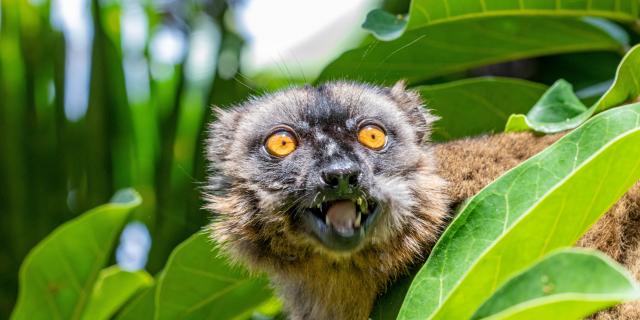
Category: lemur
<point>336,190</point>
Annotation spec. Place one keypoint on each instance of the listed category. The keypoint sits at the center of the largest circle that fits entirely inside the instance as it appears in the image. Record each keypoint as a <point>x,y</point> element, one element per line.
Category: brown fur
<point>316,283</point>
<point>313,285</point>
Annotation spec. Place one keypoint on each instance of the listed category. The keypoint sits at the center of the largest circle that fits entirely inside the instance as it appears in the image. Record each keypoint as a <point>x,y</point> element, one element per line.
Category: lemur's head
<point>339,171</point>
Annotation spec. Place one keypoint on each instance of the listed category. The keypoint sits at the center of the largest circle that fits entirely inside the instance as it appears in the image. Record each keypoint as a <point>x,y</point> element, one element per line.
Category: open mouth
<point>341,224</point>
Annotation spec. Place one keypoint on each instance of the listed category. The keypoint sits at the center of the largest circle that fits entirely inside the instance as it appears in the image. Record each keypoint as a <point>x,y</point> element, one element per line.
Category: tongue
<point>342,215</point>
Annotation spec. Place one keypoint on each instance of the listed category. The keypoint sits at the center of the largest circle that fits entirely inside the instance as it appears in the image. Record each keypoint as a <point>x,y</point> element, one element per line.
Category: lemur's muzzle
<point>342,212</point>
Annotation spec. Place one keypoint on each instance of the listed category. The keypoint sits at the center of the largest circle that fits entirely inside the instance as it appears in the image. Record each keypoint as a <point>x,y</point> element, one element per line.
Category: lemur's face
<point>334,168</point>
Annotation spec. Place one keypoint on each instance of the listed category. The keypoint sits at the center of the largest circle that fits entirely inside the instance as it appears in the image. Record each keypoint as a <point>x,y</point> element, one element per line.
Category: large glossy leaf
<point>113,288</point>
<point>560,110</point>
<point>473,106</point>
<point>567,284</point>
<point>198,283</point>
<point>58,275</point>
<point>547,202</point>
<point>429,12</point>
<point>425,12</point>
<point>428,52</point>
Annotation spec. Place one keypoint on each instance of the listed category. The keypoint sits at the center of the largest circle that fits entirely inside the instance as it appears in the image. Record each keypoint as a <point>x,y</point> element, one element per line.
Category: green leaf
<point>142,307</point>
<point>271,309</point>
<point>426,12</point>
<point>557,104</point>
<point>429,12</point>
<point>58,275</point>
<point>560,109</point>
<point>517,123</point>
<point>384,25</point>
<point>114,288</point>
<point>428,52</point>
<point>545,203</point>
<point>388,305</point>
<point>474,106</point>
<point>198,283</point>
<point>566,284</point>
<point>626,86</point>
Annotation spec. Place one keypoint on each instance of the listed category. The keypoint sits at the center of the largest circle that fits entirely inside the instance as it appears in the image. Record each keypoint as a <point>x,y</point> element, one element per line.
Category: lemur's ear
<point>411,103</point>
<point>221,134</point>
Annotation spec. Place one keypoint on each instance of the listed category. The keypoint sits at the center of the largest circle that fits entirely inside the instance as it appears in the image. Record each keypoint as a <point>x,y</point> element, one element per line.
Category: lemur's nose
<point>343,176</point>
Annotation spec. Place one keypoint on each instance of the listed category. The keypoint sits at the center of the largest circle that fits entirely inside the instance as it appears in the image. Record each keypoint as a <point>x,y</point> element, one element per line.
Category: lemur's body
<point>303,190</point>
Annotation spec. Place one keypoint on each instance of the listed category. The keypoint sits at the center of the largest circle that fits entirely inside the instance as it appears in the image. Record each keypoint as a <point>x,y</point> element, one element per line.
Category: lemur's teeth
<point>358,220</point>
<point>363,205</point>
<point>326,220</point>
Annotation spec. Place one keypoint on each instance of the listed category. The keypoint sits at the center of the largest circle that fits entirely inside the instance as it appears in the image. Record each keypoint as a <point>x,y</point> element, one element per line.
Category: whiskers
<point>300,202</point>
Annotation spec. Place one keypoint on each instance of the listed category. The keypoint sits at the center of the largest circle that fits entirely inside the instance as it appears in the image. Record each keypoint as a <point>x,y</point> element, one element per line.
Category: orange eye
<point>372,137</point>
<point>281,143</point>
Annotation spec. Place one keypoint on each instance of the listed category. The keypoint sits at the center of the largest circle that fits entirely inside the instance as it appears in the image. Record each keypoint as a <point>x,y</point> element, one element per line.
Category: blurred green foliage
<point>66,265</point>
<point>53,168</point>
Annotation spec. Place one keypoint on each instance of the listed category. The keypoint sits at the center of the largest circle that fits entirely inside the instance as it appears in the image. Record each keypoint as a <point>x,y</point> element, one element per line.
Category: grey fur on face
<point>278,214</point>
<point>325,121</point>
